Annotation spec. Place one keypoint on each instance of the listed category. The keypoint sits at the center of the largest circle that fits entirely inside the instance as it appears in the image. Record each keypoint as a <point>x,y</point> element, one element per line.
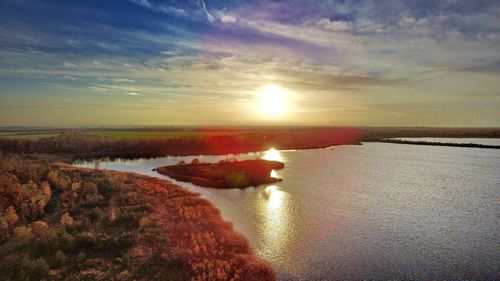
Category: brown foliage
<point>39,228</point>
<point>154,230</point>
<point>210,246</point>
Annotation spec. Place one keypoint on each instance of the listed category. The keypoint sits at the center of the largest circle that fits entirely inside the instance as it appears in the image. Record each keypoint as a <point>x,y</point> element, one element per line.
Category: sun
<point>273,102</point>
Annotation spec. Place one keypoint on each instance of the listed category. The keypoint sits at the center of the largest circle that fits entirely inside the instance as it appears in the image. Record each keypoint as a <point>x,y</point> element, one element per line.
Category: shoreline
<point>469,145</point>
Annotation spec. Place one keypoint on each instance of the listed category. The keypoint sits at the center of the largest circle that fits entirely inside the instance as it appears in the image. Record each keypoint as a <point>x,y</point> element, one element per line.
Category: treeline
<point>62,223</point>
<point>84,145</point>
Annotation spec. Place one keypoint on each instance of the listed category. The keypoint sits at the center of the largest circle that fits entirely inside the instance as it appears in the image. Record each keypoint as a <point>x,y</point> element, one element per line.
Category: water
<point>377,211</point>
<point>456,140</point>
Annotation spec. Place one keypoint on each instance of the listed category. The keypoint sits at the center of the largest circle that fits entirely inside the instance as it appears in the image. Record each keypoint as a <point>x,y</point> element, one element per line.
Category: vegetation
<point>58,222</point>
<point>155,134</point>
<point>26,135</point>
<point>84,145</point>
<point>225,174</point>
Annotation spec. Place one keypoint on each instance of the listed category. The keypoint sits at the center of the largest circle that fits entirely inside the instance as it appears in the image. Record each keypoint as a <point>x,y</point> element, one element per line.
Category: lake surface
<point>376,211</point>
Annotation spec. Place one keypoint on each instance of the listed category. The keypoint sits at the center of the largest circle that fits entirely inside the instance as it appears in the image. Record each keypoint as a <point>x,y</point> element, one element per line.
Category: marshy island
<point>229,173</point>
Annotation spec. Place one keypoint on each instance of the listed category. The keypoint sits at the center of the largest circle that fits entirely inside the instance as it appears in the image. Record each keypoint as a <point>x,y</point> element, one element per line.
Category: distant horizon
<point>231,126</point>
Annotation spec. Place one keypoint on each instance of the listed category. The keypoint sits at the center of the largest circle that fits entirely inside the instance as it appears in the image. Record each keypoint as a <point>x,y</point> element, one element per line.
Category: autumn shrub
<point>4,230</point>
<point>96,214</point>
<point>90,275</point>
<point>126,220</point>
<point>39,228</point>
<point>22,232</point>
<point>86,242</point>
<point>162,267</point>
<point>58,259</point>
<point>23,268</point>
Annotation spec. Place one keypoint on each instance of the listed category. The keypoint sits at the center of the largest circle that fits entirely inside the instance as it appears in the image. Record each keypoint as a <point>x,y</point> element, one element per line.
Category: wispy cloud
<point>333,25</point>
<point>210,18</point>
<point>161,8</point>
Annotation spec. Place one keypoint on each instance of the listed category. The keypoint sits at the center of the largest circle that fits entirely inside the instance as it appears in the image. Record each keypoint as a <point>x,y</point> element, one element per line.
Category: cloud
<point>210,17</point>
<point>133,94</point>
<point>123,80</point>
<point>227,18</point>
<point>161,8</point>
<point>338,26</point>
<point>168,53</point>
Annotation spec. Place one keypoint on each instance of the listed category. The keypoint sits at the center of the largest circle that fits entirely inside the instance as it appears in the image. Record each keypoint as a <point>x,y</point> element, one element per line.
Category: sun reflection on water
<point>274,197</point>
<point>273,155</point>
<point>275,212</point>
<point>273,174</point>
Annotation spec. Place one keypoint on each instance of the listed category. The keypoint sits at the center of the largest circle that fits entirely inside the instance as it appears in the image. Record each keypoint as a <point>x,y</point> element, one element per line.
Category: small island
<point>225,174</point>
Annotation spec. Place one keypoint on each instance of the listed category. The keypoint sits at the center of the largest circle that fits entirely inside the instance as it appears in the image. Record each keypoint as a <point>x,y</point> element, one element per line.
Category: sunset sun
<point>273,102</point>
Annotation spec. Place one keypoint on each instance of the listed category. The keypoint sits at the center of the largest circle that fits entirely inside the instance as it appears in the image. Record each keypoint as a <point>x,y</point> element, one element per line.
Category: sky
<point>207,62</point>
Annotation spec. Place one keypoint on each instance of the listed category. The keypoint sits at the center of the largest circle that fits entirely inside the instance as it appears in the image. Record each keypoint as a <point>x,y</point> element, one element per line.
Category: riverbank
<point>108,225</point>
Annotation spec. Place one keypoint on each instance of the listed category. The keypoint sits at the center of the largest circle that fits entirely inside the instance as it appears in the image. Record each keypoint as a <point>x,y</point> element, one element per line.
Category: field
<point>155,134</point>
<point>26,135</point>
<point>117,133</point>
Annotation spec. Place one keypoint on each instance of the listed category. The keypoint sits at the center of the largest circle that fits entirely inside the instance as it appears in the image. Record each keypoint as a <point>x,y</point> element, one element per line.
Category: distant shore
<point>471,145</point>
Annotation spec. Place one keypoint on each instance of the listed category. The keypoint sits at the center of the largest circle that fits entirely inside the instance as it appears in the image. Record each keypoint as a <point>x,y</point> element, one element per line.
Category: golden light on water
<point>272,155</point>
<point>276,213</point>
<point>274,174</point>
<point>274,197</point>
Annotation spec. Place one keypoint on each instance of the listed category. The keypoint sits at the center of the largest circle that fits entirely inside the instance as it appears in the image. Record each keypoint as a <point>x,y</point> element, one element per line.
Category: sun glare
<point>272,155</point>
<point>272,102</point>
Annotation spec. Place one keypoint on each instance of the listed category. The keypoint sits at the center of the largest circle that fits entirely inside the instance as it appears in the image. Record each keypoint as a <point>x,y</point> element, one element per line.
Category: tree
<point>47,192</point>
<point>39,228</point>
<point>11,215</point>
<point>33,200</point>
<point>4,230</point>
<point>22,232</point>
<point>66,220</point>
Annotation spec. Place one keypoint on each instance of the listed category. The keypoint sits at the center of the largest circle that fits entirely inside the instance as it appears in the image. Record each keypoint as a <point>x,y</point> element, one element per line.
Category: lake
<point>375,211</point>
